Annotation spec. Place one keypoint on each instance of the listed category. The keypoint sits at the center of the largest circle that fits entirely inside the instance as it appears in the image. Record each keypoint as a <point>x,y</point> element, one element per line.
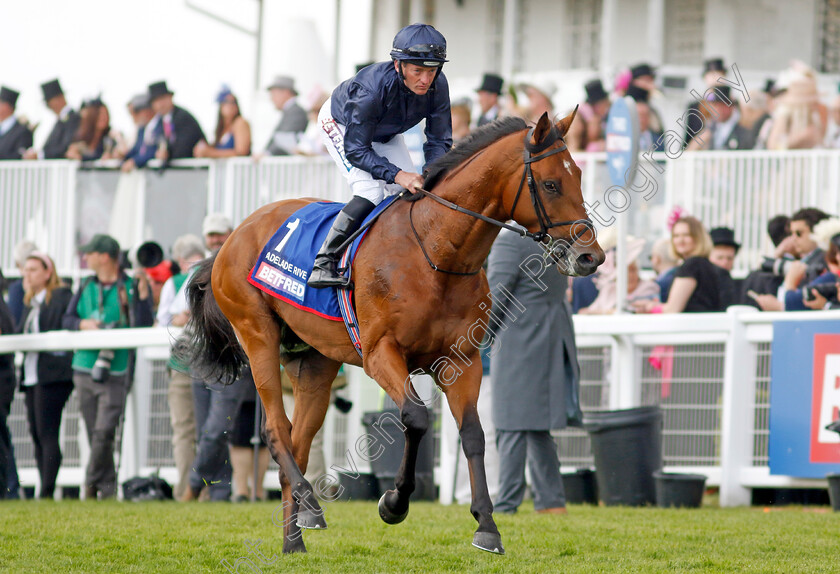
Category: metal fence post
<point>738,411</point>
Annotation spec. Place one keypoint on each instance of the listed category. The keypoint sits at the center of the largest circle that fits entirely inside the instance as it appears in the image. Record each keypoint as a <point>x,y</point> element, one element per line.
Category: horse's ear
<point>564,124</point>
<point>541,129</point>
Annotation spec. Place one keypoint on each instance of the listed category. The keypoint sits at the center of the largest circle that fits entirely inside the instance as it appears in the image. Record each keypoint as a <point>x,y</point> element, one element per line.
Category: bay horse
<point>419,287</point>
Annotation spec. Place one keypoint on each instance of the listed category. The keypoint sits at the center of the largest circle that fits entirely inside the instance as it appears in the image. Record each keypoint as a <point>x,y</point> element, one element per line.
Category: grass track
<point>73,536</point>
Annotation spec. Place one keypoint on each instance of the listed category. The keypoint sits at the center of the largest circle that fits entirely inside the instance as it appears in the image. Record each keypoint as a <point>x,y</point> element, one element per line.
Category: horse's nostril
<point>586,260</point>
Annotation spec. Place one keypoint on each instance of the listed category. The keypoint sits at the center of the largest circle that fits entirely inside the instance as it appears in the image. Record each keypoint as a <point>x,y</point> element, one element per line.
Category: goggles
<point>421,51</point>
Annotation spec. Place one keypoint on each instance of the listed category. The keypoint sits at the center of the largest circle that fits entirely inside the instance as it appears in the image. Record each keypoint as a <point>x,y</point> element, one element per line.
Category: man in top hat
<point>649,135</point>
<point>488,98</point>
<point>15,138</point>
<point>293,119</point>
<point>723,129</point>
<point>594,115</point>
<point>176,131</point>
<point>724,250</point>
<point>65,128</point>
<point>644,76</point>
<point>713,70</point>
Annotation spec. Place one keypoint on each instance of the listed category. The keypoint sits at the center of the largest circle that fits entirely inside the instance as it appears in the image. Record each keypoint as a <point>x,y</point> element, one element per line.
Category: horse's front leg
<point>462,396</point>
<point>387,366</point>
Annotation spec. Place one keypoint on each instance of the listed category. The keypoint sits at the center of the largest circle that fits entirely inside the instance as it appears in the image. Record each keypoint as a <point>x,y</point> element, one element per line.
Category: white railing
<point>739,189</point>
<point>38,202</point>
<point>715,406</point>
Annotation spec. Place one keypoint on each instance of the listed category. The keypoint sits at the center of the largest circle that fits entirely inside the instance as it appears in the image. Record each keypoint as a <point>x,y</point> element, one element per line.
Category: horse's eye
<point>550,186</point>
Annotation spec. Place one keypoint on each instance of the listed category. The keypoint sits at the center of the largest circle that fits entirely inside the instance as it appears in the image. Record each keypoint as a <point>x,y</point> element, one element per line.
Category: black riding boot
<point>346,222</point>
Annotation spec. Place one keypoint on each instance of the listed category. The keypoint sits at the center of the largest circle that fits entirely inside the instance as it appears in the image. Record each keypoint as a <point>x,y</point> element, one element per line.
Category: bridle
<point>539,208</point>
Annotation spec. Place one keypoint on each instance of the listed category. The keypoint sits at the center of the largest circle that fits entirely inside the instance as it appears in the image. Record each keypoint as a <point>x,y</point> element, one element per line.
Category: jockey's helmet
<point>420,44</point>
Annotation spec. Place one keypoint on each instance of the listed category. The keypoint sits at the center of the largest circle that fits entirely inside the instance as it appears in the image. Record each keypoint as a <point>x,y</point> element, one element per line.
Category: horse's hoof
<point>294,546</point>
<point>311,521</point>
<point>386,515</point>
<point>489,542</point>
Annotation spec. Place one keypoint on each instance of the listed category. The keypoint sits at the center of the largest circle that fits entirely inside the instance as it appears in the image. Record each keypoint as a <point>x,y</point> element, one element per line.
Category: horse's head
<point>555,211</point>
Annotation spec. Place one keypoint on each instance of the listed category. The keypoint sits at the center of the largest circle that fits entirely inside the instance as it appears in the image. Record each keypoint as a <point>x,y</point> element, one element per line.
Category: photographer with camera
<point>108,300</point>
<point>797,257</point>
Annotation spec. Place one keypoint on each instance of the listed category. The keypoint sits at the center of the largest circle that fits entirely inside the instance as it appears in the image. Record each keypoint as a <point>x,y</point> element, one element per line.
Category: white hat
<point>216,223</point>
<point>545,87</point>
<point>23,249</point>
<point>187,245</point>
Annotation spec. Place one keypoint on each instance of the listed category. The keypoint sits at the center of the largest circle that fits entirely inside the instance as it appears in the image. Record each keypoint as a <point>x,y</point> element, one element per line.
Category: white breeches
<point>361,182</point>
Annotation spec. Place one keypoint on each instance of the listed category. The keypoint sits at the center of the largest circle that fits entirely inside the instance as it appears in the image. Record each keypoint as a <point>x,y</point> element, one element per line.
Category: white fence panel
<point>37,201</point>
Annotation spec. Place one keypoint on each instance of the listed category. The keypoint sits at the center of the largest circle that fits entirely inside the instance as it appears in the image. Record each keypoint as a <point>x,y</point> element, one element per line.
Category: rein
<point>539,208</point>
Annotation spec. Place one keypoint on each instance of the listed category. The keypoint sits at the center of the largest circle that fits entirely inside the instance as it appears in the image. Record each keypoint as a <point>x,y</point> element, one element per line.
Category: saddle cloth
<point>286,261</point>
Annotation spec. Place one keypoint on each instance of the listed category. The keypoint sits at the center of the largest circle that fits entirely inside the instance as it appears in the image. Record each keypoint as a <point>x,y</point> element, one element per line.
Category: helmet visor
<point>424,51</point>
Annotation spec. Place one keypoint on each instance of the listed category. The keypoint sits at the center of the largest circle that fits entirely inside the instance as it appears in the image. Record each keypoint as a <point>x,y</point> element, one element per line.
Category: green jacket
<point>94,302</point>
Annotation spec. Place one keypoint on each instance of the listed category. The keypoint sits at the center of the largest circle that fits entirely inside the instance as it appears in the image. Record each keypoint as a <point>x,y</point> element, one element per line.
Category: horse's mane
<point>469,146</point>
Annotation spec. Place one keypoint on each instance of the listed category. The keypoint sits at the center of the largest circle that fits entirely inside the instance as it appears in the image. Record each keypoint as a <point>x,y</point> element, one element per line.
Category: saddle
<point>285,263</point>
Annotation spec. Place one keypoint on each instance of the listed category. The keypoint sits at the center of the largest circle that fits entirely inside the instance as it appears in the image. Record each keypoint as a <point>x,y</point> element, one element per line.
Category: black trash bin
<point>679,490</point>
<point>386,428</point>
<point>834,491</point>
<point>358,487</point>
<point>627,446</point>
<point>580,486</point>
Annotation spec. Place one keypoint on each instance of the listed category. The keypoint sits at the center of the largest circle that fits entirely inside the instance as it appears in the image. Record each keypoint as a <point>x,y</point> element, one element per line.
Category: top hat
<point>724,236</point>
<point>769,86</point>
<point>51,89</point>
<point>638,94</point>
<point>159,89</point>
<point>595,91</point>
<point>9,96</point>
<point>491,83</point>
<point>93,102</point>
<point>713,65</point>
<point>642,70</point>
<point>283,83</point>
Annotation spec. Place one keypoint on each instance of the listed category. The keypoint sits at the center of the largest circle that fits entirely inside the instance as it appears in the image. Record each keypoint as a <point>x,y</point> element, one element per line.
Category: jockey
<point>362,126</point>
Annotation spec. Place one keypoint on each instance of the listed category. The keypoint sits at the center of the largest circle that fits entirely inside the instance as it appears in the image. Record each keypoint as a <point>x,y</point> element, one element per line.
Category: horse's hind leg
<point>387,366</point>
<point>462,396</point>
<point>312,375</point>
<point>260,337</point>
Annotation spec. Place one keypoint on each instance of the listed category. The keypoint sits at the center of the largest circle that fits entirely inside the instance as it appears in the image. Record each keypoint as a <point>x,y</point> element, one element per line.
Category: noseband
<point>539,208</point>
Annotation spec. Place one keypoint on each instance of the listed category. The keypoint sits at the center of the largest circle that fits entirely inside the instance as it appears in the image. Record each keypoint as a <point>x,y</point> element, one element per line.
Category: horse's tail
<point>208,344</point>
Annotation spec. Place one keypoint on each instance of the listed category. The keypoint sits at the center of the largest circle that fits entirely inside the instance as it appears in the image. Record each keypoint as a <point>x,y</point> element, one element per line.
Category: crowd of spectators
<point>162,130</point>
<point>690,271</point>
<point>787,113</point>
<point>212,427</point>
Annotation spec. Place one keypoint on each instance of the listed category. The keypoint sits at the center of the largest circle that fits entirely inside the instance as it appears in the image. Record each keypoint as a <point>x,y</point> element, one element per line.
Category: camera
<point>102,367</point>
<point>778,267</point>
<point>827,290</point>
<point>146,255</point>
